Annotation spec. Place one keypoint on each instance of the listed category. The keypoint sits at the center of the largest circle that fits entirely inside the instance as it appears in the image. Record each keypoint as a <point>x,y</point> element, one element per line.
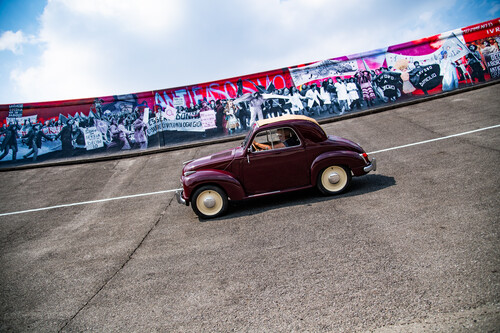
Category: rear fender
<point>220,178</point>
<point>347,158</point>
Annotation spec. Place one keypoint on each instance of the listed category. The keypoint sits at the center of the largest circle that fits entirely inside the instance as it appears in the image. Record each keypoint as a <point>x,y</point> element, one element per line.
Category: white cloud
<point>13,41</point>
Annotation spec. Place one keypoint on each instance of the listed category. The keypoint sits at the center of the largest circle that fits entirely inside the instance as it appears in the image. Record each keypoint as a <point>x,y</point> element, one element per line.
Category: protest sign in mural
<point>322,89</point>
<point>493,64</point>
<point>93,138</point>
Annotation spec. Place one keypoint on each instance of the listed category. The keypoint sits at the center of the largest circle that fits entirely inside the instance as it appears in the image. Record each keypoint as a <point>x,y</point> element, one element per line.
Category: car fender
<point>220,178</point>
<point>347,158</point>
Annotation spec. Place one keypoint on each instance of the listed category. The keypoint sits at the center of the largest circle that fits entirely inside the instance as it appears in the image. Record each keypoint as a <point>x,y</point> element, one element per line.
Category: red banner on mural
<point>223,89</point>
<point>482,30</point>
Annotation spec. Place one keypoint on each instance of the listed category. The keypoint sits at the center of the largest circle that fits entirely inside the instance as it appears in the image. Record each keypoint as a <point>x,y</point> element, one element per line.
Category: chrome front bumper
<point>180,199</point>
<point>371,167</point>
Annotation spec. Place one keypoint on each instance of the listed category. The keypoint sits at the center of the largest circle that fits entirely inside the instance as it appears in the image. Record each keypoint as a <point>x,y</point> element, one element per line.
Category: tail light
<point>365,157</point>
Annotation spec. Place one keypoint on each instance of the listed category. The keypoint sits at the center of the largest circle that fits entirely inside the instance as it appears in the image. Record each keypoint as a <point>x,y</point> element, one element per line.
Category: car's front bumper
<point>180,198</point>
<point>371,167</point>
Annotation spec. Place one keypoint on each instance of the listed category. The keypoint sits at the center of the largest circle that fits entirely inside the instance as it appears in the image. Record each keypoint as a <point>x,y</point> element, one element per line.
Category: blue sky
<point>67,49</point>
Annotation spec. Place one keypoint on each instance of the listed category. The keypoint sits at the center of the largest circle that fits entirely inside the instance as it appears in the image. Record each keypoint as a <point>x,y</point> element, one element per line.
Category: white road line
<point>433,140</point>
<point>167,191</point>
<point>87,202</point>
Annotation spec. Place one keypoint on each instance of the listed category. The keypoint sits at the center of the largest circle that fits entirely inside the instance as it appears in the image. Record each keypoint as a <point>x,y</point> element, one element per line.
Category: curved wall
<point>82,128</point>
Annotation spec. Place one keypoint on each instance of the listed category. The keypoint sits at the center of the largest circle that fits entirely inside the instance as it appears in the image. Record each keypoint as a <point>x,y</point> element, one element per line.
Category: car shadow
<point>359,186</point>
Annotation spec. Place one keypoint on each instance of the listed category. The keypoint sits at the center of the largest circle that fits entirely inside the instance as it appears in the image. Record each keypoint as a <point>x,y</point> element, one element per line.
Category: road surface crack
<point>129,257</point>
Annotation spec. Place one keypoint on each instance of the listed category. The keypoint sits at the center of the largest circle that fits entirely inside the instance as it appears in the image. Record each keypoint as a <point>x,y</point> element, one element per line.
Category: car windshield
<point>247,138</point>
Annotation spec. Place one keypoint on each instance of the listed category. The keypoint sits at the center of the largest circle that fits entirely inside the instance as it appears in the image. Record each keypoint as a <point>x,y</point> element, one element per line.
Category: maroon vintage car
<point>278,155</point>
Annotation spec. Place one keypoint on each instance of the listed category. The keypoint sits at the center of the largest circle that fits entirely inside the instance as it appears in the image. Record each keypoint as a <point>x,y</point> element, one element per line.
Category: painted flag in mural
<point>426,77</point>
<point>169,113</point>
<point>389,82</point>
<point>455,48</point>
<point>323,69</point>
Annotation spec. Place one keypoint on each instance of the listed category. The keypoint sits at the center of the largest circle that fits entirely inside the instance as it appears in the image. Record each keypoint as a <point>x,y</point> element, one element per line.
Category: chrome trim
<point>186,162</point>
<point>187,173</point>
<point>371,167</point>
<point>180,199</point>
<point>262,194</point>
<point>334,178</point>
<point>209,202</point>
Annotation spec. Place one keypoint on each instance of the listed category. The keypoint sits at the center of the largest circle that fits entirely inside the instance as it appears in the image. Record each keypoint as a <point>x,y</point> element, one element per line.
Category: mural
<point>37,132</point>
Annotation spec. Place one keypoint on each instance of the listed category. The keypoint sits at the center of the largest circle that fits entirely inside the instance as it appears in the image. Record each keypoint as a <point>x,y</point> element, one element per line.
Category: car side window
<point>287,137</point>
<point>275,139</point>
<point>262,141</point>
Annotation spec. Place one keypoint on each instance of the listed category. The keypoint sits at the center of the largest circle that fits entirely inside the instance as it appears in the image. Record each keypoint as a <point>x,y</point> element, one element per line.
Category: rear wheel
<point>334,179</point>
<point>209,202</point>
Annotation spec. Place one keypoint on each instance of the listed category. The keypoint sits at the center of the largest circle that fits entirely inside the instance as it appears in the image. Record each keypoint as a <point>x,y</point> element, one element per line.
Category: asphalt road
<point>413,247</point>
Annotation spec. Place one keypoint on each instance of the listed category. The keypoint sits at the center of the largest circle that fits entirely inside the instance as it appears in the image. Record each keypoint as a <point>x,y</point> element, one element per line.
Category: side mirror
<point>249,150</point>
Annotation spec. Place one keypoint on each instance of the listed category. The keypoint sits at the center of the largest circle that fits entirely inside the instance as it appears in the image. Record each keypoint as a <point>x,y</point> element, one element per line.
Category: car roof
<point>285,118</point>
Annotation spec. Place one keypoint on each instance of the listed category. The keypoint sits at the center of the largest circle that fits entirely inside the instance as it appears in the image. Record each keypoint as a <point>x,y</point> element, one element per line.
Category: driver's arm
<point>261,146</point>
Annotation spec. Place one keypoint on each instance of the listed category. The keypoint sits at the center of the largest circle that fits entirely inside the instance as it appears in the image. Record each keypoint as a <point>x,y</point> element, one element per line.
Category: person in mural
<point>232,122</point>
<point>34,140</point>
<point>474,61</point>
<point>426,77</point>
<point>3,132</point>
<point>255,101</point>
<point>78,136</point>
<point>326,97</point>
<point>98,107</point>
<point>489,47</point>
<point>389,82</point>
<point>219,116</point>
<point>114,139</point>
<point>275,106</point>
<point>342,95</point>
<point>352,90</point>
<point>314,101</point>
<point>448,72</point>
<point>296,101</point>
<point>364,81</point>
<point>123,134</point>
<point>402,67</point>
<point>140,132</point>
<point>244,113</point>
<point>463,72</point>
<point>10,141</point>
<point>286,105</point>
<point>66,135</point>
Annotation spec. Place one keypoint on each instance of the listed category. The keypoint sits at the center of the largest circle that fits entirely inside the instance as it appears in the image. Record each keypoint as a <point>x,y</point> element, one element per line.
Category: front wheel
<point>209,202</point>
<point>334,179</point>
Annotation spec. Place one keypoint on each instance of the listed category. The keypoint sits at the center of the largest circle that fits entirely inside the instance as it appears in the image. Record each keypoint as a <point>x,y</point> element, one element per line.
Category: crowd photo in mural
<point>115,124</point>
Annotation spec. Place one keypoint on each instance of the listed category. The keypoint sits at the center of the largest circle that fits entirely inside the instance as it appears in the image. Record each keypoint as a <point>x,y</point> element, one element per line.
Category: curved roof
<point>285,118</point>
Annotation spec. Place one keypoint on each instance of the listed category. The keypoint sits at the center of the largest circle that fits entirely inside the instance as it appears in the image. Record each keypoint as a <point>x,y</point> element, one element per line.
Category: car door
<point>275,169</point>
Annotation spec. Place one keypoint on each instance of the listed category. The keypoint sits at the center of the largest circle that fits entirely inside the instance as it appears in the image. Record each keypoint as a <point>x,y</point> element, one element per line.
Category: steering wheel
<point>254,146</point>
<point>259,146</point>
